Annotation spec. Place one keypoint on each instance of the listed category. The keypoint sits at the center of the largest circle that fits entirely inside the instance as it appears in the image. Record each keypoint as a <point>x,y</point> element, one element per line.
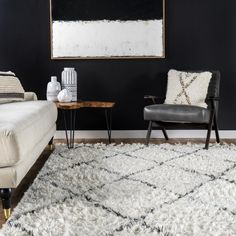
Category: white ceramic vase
<point>69,81</point>
<point>53,89</point>
<point>64,96</point>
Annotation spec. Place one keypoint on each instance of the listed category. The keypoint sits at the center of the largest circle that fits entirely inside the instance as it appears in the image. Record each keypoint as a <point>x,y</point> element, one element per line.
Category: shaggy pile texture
<point>131,190</point>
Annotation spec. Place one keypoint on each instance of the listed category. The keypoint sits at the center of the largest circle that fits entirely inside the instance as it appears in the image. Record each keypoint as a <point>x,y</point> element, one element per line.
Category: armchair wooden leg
<point>209,131</point>
<point>5,195</point>
<point>164,133</point>
<point>149,132</point>
<point>216,130</point>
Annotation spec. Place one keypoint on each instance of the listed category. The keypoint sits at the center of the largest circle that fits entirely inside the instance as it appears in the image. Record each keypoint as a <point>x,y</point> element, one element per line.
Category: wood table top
<point>84,104</point>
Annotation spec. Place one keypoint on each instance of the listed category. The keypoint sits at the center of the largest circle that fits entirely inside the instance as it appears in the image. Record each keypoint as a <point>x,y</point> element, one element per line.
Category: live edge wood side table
<point>72,107</point>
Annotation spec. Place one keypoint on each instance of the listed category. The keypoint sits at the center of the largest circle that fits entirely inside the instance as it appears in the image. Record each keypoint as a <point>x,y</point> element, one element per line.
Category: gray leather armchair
<point>164,116</point>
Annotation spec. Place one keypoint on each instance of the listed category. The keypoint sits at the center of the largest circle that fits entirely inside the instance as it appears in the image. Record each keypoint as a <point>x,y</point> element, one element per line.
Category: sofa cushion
<point>176,113</point>
<point>22,126</point>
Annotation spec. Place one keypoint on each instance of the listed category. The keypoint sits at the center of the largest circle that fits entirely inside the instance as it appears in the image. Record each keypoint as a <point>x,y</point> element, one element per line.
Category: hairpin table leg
<point>70,134</point>
<point>108,115</point>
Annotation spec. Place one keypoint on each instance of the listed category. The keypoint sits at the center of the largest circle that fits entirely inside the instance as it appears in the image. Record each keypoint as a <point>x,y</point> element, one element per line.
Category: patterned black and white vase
<point>69,81</point>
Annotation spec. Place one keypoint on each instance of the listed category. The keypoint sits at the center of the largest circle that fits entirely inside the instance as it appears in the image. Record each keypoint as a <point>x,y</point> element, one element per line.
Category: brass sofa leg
<point>5,195</point>
<point>7,213</point>
<point>50,144</point>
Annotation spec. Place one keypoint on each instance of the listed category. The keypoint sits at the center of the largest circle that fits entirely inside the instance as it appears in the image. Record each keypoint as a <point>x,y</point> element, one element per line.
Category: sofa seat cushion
<point>22,126</point>
<point>176,113</point>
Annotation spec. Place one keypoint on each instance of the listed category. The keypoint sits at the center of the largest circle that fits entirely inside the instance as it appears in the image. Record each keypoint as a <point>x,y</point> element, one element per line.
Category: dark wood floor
<point>26,182</point>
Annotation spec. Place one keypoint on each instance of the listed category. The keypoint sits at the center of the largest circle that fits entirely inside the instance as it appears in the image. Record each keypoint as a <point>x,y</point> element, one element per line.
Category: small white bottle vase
<point>53,89</point>
<point>69,81</point>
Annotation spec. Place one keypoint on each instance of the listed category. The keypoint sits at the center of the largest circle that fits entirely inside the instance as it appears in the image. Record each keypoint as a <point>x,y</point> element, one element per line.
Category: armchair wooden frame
<point>212,124</point>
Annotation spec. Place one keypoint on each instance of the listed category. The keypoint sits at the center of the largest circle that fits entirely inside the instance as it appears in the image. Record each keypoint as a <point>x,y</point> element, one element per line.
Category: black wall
<point>200,34</point>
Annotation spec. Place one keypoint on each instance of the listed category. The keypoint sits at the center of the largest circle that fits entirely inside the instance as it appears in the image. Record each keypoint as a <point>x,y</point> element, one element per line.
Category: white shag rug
<point>124,190</point>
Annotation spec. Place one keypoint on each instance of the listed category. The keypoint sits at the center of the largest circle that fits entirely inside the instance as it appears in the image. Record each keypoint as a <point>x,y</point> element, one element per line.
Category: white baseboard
<point>126,134</point>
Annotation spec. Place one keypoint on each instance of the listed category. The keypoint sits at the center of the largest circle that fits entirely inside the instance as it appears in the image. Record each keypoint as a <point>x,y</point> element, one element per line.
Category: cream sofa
<point>25,130</point>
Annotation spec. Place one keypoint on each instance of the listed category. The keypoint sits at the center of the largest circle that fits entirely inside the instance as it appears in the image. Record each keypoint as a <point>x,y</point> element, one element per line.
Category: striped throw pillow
<point>11,89</point>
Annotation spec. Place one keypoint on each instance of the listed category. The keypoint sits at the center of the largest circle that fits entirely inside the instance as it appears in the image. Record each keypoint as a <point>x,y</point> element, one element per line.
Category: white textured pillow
<point>11,89</point>
<point>187,88</point>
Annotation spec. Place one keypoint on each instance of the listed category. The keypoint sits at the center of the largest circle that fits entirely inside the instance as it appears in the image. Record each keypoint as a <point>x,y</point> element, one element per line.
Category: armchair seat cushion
<point>176,113</point>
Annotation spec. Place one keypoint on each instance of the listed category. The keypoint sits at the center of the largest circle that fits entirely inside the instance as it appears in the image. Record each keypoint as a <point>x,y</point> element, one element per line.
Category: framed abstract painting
<point>84,29</point>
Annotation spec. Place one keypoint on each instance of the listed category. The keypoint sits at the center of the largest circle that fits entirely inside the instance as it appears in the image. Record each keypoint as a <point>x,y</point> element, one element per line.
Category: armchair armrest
<point>30,96</point>
<point>213,99</point>
<point>153,99</point>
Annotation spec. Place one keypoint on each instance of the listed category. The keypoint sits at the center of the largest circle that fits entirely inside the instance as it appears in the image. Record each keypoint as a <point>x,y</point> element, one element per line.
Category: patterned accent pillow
<point>187,88</point>
<point>11,89</point>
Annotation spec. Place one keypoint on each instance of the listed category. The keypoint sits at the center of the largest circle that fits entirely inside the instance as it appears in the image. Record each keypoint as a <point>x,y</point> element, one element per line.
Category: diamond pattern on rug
<point>128,190</point>
<point>140,228</point>
<point>39,195</point>
<point>79,155</point>
<point>220,152</point>
<point>209,165</point>
<point>172,179</point>
<point>124,164</point>
<point>82,178</point>
<point>156,154</point>
<point>218,193</point>
<point>205,219</point>
<point>230,175</point>
<point>130,198</point>
<point>72,217</point>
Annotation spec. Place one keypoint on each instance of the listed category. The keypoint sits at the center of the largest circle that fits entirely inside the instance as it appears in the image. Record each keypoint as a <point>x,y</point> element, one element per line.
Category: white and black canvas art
<point>107,28</point>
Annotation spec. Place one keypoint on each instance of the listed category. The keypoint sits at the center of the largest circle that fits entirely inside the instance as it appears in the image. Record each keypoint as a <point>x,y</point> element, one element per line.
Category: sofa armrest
<point>30,96</point>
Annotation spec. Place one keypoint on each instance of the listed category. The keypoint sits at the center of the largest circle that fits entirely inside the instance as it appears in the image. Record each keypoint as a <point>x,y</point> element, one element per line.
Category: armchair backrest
<point>214,86</point>
<point>214,89</point>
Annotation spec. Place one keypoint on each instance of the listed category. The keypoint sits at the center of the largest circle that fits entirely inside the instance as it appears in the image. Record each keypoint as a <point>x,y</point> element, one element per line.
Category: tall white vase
<point>53,88</point>
<point>69,81</point>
